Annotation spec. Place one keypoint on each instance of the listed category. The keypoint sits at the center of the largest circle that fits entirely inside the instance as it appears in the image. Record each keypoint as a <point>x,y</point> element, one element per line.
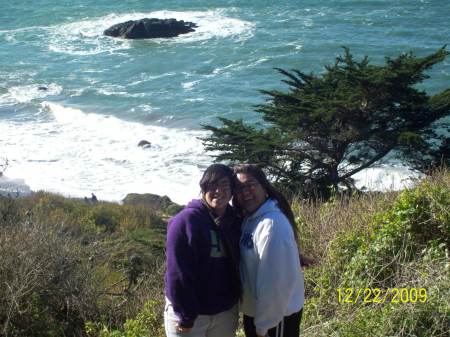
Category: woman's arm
<point>181,275</point>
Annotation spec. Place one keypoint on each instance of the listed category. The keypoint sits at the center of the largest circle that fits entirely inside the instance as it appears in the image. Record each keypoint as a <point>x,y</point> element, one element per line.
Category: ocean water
<point>104,95</point>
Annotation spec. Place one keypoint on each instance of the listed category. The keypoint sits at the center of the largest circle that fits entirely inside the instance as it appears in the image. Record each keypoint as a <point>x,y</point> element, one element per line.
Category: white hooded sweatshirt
<point>272,278</point>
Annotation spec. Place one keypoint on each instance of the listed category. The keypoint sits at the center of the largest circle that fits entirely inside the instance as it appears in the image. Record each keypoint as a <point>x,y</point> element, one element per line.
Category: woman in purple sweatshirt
<point>202,283</point>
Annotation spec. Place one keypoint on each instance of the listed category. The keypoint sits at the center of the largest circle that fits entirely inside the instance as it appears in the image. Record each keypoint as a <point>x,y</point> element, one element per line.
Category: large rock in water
<point>150,28</point>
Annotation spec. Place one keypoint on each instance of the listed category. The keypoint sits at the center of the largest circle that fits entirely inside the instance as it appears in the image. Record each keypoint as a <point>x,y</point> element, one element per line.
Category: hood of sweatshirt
<point>270,205</point>
<point>228,218</point>
<point>197,204</point>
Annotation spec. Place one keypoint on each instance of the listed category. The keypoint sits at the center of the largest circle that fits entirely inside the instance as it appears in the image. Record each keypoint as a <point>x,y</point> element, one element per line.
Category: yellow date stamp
<point>377,295</point>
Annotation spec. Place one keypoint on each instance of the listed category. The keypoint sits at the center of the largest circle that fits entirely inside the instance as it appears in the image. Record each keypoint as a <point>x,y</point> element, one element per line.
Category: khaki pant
<point>223,324</point>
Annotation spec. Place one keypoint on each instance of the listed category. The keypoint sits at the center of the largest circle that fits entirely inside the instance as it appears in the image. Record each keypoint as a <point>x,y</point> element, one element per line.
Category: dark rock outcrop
<point>147,199</point>
<point>153,201</point>
<point>144,143</point>
<point>150,28</point>
<point>13,187</point>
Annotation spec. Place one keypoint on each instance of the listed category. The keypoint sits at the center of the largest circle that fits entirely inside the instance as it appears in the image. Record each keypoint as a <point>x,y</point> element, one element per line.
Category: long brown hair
<point>272,192</point>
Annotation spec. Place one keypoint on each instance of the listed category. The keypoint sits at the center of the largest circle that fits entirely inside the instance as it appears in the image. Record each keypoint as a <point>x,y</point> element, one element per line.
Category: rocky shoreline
<point>13,187</point>
<point>17,188</point>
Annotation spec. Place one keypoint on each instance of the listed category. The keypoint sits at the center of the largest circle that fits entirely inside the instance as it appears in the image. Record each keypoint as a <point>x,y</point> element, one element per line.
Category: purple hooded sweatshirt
<point>202,276</point>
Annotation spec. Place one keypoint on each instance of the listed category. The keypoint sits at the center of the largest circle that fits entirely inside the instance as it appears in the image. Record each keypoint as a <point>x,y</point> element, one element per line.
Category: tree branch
<point>366,165</point>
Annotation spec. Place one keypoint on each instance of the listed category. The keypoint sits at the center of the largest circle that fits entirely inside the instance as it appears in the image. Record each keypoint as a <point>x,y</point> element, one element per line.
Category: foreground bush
<point>65,262</point>
<point>404,247</point>
<point>47,287</point>
<point>148,322</point>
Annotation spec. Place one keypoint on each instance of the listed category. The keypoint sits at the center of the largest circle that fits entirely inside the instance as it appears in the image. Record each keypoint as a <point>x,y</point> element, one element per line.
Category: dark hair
<point>214,173</point>
<point>272,192</point>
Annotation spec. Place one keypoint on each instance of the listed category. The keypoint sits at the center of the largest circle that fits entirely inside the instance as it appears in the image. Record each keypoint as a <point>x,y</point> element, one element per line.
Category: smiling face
<point>218,194</point>
<point>249,192</point>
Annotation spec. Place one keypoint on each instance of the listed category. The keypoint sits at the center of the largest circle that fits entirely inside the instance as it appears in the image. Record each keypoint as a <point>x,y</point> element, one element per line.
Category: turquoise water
<point>105,95</point>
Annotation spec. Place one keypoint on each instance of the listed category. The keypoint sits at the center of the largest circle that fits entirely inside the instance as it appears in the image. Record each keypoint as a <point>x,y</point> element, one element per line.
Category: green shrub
<point>9,210</point>
<point>417,219</point>
<point>148,322</point>
<point>173,209</point>
<point>46,288</point>
<point>66,263</point>
<point>105,217</point>
<point>404,246</point>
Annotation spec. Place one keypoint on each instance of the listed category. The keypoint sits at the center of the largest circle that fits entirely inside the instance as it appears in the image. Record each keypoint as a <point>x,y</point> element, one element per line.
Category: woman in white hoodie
<point>272,278</point>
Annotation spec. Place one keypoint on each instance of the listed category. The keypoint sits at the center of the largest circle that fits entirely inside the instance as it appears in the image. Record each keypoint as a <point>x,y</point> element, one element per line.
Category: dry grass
<point>321,222</point>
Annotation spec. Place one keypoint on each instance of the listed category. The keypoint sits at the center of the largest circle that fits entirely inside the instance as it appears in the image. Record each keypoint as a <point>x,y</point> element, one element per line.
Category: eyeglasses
<point>251,185</point>
<point>221,186</point>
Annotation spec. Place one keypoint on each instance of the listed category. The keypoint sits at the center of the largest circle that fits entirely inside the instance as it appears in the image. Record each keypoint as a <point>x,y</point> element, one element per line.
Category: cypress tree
<point>325,128</point>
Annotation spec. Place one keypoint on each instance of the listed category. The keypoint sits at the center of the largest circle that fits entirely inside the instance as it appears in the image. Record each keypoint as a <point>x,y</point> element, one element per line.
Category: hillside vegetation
<point>69,268</point>
<point>380,241</point>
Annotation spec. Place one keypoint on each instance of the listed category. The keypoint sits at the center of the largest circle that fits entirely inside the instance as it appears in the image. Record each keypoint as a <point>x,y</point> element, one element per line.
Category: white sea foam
<point>238,66</point>
<point>146,108</point>
<point>117,91</point>
<point>259,61</point>
<point>232,66</point>
<point>75,153</point>
<point>386,178</point>
<point>28,93</point>
<point>298,45</point>
<point>189,85</point>
<point>16,35</point>
<point>199,99</point>
<point>86,37</point>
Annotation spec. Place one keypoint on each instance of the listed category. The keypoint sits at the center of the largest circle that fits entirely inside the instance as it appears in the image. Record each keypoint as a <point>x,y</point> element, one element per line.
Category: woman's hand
<point>182,329</point>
